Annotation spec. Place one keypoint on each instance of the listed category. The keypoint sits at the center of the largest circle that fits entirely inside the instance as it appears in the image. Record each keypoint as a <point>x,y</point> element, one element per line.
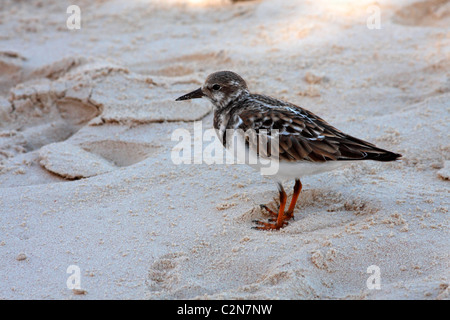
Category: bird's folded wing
<point>304,136</point>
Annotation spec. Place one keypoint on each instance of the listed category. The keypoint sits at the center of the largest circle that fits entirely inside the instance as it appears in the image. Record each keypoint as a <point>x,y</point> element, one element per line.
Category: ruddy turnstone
<point>307,144</point>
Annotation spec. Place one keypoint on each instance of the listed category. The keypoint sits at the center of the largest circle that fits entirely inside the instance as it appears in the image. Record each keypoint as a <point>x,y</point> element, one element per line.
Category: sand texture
<point>87,119</point>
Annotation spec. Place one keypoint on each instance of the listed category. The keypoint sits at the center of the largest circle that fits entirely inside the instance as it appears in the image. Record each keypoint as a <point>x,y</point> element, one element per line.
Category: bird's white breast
<point>279,170</point>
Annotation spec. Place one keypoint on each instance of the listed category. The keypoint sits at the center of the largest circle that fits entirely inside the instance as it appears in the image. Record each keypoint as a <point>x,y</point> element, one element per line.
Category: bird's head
<point>220,88</point>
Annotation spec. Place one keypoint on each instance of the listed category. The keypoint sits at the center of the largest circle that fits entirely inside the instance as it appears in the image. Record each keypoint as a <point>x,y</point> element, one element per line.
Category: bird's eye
<point>216,87</point>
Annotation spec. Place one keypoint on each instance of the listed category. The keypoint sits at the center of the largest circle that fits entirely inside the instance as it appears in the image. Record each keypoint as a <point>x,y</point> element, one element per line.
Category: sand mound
<point>72,162</point>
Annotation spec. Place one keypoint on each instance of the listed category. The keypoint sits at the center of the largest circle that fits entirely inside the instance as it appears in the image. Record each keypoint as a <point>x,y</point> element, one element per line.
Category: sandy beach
<point>92,205</point>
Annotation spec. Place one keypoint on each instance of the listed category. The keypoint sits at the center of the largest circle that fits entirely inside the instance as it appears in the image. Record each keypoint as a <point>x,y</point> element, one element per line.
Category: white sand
<point>86,177</point>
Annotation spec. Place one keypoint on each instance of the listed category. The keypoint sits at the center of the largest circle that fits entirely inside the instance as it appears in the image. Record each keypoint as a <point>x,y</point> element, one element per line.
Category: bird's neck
<point>227,102</point>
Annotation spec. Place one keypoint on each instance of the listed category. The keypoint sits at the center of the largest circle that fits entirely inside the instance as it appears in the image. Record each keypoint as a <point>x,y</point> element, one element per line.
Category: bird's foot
<point>273,223</point>
<point>273,213</point>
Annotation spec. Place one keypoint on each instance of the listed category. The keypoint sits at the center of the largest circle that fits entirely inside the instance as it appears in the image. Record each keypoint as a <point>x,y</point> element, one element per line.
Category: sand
<point>87,178</point>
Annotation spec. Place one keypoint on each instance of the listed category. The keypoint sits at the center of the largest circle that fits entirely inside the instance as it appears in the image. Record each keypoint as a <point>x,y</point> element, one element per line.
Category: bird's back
<point>303,136</point>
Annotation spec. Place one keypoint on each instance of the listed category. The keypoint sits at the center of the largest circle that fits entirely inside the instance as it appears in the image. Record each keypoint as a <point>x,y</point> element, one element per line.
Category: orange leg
<point>297,190</point>
<point>281,217</point>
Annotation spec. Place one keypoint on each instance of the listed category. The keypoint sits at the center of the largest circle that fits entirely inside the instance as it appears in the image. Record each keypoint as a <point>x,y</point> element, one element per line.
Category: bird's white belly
<point>298,169</point>
<point>280,170</point>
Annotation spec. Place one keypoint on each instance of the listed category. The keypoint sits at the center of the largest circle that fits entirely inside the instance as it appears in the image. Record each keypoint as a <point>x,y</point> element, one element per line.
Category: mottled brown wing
<point>305,136</point>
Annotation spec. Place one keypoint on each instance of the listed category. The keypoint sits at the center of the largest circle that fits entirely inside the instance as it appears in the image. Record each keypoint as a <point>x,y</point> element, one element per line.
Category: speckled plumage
<point>307,144</point>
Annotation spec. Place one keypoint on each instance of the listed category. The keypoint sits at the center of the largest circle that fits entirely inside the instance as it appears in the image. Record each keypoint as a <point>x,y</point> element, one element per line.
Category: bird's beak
<point>192,95</point>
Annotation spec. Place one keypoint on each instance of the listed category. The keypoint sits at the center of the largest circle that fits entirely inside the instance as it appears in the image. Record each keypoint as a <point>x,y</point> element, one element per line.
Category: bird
<point>306,144</point>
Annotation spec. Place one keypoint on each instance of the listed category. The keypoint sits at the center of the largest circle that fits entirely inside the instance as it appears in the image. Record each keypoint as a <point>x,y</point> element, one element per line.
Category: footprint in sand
<point>11,70</point>
<point>163,272</point>
<point>434,13</point>
<point>41,114</point>
<point>42,111</point>
<point>92,158</point>
<point>166,279</point>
